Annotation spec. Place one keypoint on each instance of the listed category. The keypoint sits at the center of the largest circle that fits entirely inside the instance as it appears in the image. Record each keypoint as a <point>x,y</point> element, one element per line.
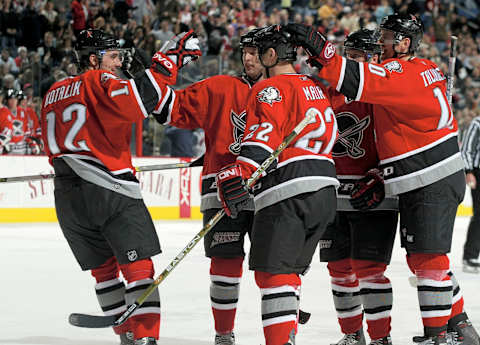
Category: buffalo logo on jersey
<point>269,95</point>
<point>17,126</point>
<point>350,135</point>
<point>239,124</point>
<point>393,66</point>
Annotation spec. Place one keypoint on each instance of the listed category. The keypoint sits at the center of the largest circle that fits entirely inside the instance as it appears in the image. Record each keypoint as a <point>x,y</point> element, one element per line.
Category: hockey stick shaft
<point>197,162</point>
<point>451,68</point>
<point>92,321</point>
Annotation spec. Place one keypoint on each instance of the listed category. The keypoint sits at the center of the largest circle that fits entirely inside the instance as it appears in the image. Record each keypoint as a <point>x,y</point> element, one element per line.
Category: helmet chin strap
<point>267,68</point>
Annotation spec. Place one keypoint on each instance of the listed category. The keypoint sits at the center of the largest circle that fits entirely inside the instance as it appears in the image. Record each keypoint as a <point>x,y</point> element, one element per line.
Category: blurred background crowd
<point>38,37</point>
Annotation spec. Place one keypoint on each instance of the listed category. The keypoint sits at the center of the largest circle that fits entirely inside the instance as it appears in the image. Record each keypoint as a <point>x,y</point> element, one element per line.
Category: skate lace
<point>380,341</point>
<point>225,339</point>
<point>348,339</point>
<point>453,338</point>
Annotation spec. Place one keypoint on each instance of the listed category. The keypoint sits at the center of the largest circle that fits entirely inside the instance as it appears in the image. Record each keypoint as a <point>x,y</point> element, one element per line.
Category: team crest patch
<point>350,135</point>
<point>132,255</point>
<point>269,95</point>
<point>224,237</point>
<point>105,76</point>
<point>329,51</point>
<point>239,124</point>
<point>393,66</point>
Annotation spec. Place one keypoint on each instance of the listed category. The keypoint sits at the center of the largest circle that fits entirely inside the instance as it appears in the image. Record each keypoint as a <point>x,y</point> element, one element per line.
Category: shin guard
<point>279,306</point>
<point>225,275</point>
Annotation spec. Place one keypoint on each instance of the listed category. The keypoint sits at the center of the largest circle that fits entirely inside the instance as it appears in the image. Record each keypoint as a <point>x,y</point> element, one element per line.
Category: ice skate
<point>382,341</point>
<point>145,341</point>
<point>126,338</point>
<point>225,339</point>
<point>356,338</point>
<point>471,266</point>
<point>462,332</point>
<point>440,339</point>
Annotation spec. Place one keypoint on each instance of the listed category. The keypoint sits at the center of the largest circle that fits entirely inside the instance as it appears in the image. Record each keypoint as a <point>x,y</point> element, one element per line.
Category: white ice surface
<point>41,285</point>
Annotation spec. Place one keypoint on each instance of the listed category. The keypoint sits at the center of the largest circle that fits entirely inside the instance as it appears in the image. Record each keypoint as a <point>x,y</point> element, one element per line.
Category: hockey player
<point>5,125</point>
<point>18,142</point>
<point>33,136</point>
<point>86,127</point>
<point>218,106</point>
<point>296,200</point>
<point>358,246</point>
<point>419,155</point>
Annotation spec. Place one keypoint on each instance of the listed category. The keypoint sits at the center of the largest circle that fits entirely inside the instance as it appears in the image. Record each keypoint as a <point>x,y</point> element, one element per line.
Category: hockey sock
<point>376,296</point>
<point>457,299</point>
<point>145,320</point>
<point>279,306</point>
<point>110,291</point>
<point>346,295</point>
<point>434,289</point>
<point>225,277</point>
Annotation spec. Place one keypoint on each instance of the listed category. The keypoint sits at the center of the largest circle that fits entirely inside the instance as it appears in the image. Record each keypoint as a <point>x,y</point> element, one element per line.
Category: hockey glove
<point>183,49</point>
<point>232,190</point>
<point>34,147</point>
<point>131,65</point>
<point>369,191</point>
<point>321,51</point>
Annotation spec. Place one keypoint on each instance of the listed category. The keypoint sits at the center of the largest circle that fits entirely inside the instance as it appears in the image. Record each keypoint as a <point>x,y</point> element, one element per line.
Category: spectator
<point>181,141</point>
<point>80,15</point>
<point>7,63</point>
<point>10,26</point>
<point>164,33</point>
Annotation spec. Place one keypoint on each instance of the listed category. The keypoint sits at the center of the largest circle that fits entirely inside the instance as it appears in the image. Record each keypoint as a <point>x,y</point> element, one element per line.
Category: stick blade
<point>91,321</point>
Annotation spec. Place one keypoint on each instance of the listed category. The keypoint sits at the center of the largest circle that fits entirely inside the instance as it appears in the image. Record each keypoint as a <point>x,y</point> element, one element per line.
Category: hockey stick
<point>196,163</point>
<point>451,68</point>
<point>94,321</point>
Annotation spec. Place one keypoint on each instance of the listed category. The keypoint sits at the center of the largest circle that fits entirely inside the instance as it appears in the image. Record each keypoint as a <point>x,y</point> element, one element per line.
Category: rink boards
<point>168,194</point>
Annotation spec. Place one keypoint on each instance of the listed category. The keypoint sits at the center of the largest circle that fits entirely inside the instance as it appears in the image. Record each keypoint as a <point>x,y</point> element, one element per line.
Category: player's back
<point>81,119</point>
<point>218,106</point>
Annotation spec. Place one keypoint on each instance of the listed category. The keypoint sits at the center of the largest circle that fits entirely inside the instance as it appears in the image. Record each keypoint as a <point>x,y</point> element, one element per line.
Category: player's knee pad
<point>429,266</point>
<point>369,270</point>
<point>266,280</point>
<point>341,271</point>
<point>231,267</point>
<point>107,271</point>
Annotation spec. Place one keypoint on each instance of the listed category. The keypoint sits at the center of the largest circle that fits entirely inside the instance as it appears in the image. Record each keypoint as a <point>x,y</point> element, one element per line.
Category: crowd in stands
<point>38,37</point>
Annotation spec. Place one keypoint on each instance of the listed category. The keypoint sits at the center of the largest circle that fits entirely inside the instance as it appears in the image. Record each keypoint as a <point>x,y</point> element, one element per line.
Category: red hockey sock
<point>279,306</point>
<point>346,295</point>
<point>225,277</point>
<point>146,319</point>
<point>111,291</point>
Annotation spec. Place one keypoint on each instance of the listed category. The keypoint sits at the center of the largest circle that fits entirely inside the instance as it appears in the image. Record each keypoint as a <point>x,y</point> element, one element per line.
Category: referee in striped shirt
<point>471,157</point>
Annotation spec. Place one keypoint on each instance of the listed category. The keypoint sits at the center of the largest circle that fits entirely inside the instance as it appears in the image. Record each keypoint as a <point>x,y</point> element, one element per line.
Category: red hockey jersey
<point>5,127</point>
<point>32,123</point>
<point>355,150</point>
<point>274,107</point>
<point>218,106</point>
<point>20,132</point>
<point>88,118</point>
<point>415,128</point>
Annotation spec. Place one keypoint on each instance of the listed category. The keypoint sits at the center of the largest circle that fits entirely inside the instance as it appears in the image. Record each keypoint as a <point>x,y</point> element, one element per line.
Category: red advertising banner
<point>185,188</point>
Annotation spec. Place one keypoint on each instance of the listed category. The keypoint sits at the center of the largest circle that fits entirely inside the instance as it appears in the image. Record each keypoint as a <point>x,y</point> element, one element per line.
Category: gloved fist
<point>369,191</point>
<point>321,51</point>
<point>131,63</point>
<point>34,147</point>
<point>162,64</point>
<point>182,49</point>
<point>233,193</point>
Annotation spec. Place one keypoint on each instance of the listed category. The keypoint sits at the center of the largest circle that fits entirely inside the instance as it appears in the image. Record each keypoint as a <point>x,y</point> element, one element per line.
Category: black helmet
<point>277,38</point>
<point>10,93</point>
<point>364,40</point>
<point>92,41</point>
<point>404,25</point>
<point>247,40</point>
<point>21,95</point>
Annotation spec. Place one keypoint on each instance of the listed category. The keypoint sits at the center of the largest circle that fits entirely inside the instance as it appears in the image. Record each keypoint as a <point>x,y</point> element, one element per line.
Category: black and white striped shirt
<point>471,146</point>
